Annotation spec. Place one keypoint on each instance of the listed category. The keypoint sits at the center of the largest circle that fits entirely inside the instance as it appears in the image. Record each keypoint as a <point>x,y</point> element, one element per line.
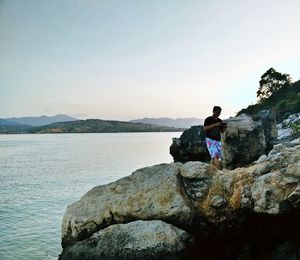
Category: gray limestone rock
<point>244,141</point>
<point>136,240</point>
<point>149,193</point>
<point>271,191</point>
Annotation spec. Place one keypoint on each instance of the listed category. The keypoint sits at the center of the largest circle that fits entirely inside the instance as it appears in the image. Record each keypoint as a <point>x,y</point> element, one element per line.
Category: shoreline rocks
<point>190,209</point>
<point>219,213</point>
<point>244,141</point>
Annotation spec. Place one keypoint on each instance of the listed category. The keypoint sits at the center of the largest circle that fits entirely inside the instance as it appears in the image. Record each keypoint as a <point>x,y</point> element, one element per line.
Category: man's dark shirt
<point>214,133</point>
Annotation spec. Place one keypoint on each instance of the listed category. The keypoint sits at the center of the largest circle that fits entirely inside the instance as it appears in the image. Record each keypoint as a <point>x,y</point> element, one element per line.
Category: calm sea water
<point>40,175</point>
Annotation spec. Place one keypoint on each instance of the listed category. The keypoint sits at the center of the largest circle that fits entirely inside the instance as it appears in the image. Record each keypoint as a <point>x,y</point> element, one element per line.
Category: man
<point>213,128</point>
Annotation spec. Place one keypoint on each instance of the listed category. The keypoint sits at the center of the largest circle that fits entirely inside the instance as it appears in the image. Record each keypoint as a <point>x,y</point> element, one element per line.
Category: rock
<point>244,141</point>
<point>190,146</point>
<point>192,170</point>
<point>197,179</point>
<point>295,142</point>
<point>149,193</point>
<point>246,198</point>
<point>224,194</point>
<point>230,213</point>
<point>285,132</point>
<point>268,120</point>
<point>263,158</point>
<point>218,201</point>
<point>270,191</point>
<point>294,198</point>
<point>136,240</point>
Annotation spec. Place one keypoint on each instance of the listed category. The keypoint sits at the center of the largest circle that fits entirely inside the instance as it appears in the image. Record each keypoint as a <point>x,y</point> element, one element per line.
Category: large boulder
<point>230,213</point>
<point>149,193</point>
<point>277,191</point>
<point>190,146</point>
<point>136,240</point>
<point>244,141</point>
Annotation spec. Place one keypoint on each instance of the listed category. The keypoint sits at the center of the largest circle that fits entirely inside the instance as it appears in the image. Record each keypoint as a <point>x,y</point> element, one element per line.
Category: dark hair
<point>217,108</point>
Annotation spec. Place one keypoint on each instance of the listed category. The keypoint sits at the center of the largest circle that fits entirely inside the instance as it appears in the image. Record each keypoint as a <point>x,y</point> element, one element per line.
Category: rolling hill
<point>100,126</point>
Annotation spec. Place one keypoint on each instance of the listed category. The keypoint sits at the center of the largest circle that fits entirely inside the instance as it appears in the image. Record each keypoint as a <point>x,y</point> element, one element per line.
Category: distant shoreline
<point>91,133</point>
<point>133,132</point>
<point>87,126</point>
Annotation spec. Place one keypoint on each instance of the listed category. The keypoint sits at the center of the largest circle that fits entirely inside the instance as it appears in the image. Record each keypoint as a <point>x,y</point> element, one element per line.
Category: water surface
<point>40,175</point>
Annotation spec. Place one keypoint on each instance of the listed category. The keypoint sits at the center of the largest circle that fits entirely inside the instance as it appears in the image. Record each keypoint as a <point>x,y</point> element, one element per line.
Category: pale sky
<point>129,59</point>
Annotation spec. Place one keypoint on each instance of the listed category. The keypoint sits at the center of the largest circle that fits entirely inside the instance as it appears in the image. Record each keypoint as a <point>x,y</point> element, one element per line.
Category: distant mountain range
<point>37,121</point>
<point>8,122</point>
<point>68,124</point>
<point>165,121</point>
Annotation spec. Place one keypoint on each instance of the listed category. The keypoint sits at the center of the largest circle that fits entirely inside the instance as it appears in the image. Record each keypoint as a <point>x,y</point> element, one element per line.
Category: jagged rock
<point>136,240</point>
<point>190,146</point>
<point>149,193</point>
<point>269,192</point>
<point>245,140</point>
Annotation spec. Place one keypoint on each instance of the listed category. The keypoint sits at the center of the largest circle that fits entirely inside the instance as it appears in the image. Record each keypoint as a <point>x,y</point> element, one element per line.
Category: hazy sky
<point>129,59</point>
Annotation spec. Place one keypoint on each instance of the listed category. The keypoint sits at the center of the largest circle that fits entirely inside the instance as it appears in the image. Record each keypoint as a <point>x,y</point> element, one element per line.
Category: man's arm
<point>208,127</point>
<point>224,126</point>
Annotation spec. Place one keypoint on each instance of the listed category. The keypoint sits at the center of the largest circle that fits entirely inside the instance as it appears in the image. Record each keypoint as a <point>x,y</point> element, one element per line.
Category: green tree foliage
<point>271,82</point>
<point>283,102</point>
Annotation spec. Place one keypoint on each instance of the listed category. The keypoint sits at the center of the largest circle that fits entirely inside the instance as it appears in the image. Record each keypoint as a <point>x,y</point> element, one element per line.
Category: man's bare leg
<point>217,163</point>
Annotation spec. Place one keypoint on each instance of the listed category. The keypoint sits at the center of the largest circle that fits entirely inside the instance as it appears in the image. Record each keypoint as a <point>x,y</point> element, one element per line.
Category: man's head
<point>216,111</point>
